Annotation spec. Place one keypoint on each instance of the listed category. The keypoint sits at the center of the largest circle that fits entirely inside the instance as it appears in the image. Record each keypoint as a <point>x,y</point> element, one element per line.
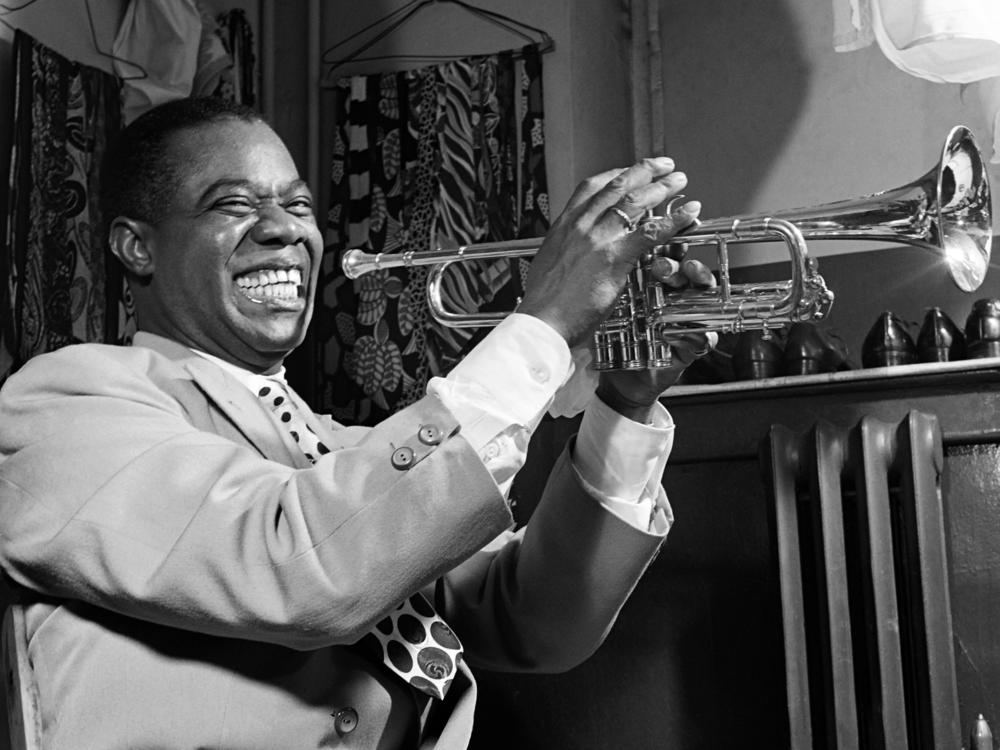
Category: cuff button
<point>402,458</point>
<point>428,434</point>
<point>345,721</point>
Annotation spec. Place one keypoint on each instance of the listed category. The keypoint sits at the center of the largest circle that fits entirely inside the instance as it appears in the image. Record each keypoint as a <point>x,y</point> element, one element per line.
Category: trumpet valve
<point>616,347</point>
<point>659,350</point>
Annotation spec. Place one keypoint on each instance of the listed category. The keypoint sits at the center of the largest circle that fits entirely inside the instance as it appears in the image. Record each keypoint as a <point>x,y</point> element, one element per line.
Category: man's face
<point>236,254</point>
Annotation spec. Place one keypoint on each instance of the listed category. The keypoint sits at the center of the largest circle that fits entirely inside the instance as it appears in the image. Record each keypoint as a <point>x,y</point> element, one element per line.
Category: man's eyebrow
<point>227,183</point>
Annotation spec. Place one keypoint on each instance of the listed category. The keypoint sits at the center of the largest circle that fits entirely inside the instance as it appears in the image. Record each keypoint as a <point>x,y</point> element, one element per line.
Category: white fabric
<point>944,41</point>
<point>947,41</point>
<point>988,92</point>
<point>622,461</point>
<point>510,377</point>
<point>578,391</point>
<point>162,37</point>
<point>852,25</point>
<point>246,377</point>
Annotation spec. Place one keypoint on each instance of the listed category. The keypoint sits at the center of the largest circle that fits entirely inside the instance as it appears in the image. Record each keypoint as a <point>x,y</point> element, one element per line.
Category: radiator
<point>858,535</point>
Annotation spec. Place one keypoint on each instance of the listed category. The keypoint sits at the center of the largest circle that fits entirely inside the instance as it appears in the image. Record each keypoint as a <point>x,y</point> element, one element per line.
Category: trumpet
<point>947,211</point>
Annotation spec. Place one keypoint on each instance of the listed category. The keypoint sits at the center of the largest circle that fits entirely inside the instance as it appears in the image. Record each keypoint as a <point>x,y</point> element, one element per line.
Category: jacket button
<point>402,458</point>
<point>345,721</point>
<point>429,435</point>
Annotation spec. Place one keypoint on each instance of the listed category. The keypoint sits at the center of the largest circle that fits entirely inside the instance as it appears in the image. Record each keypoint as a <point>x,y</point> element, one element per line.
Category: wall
<point>764,114</point>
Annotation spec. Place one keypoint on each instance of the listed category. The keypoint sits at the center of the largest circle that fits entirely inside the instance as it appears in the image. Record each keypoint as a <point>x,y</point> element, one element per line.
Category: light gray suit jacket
<point>197,583</point>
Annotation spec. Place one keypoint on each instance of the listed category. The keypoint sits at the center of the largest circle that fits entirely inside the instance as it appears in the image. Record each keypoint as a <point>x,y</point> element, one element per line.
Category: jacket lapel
<point>234,400</point>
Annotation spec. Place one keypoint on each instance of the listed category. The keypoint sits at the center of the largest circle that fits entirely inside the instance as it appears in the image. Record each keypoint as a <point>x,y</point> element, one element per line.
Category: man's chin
<point>271,336</point>
<point>274,345</point>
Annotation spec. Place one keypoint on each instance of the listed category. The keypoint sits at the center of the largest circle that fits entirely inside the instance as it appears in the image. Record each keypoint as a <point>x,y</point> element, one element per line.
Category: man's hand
<point>634,393</point>
<point>581,267</point>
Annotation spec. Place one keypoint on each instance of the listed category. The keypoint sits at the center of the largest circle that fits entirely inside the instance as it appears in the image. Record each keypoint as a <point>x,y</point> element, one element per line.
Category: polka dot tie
<point>413,640</point>
<point>273,393</point>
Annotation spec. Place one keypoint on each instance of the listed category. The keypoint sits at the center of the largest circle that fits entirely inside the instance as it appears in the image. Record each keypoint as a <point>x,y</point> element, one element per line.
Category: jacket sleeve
<point>544,598</point>
<point>110,494</point>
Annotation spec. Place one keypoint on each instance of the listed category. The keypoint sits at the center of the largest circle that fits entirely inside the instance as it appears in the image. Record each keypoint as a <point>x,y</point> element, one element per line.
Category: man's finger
<point>700,276</point>
<point>688,347</point>
<point>665,269</point>
<point>635,190</point>
<point>589,187</point>
<point>660,230</point>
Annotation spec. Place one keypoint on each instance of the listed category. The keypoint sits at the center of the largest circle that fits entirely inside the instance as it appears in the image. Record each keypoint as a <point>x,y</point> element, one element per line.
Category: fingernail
<point>663,268</point>
<point>691,207</point>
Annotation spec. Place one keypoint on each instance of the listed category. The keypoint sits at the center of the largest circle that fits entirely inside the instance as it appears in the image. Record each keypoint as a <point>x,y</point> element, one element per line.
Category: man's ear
<point>127,238</point>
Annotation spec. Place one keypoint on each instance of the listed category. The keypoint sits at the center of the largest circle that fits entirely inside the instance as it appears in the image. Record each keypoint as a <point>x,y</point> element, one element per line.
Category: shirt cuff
<point>651,513</point>
<point>508,379</point>
<point>620,458</point>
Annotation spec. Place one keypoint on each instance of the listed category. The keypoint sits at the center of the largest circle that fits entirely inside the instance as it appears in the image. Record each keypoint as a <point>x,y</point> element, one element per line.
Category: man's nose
<point>275,225</point>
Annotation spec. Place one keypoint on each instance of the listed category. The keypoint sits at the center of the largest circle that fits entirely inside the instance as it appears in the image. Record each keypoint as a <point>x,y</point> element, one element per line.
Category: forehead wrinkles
<point>235,154</point>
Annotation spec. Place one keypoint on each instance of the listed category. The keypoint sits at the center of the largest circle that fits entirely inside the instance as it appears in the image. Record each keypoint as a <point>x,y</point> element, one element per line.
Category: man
<point>206,563</point>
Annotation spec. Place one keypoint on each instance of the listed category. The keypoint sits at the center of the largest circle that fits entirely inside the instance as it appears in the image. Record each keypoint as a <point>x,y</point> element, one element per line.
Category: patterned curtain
<point>437,156</point>
<point>57,286</point>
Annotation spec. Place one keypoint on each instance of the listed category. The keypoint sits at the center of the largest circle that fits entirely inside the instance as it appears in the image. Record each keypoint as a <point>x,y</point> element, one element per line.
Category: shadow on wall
<point>904,280</point>
<point>735,79</point>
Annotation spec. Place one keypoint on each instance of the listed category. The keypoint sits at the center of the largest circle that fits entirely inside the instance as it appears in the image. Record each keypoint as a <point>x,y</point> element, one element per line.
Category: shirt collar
<point>249,379</point>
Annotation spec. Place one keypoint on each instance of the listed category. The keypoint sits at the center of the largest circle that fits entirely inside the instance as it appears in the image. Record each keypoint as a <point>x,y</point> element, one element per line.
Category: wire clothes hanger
<point>390,22</point>
<point>6,10</point>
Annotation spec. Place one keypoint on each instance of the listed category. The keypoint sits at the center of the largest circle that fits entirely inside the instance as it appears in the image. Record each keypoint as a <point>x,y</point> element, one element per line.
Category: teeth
<point>271,283</point>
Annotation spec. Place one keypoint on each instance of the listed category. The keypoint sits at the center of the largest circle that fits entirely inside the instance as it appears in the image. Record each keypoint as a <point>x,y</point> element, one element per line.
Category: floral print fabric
<point>441,156</point>
<point>58,286</point>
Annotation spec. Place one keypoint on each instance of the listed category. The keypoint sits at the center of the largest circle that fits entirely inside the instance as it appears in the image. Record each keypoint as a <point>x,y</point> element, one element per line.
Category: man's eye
<point>300,207</point>
<point>238,206</point>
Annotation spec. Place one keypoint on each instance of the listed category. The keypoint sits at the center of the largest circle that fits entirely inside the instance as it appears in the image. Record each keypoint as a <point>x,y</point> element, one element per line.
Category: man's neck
<point>277,373</point>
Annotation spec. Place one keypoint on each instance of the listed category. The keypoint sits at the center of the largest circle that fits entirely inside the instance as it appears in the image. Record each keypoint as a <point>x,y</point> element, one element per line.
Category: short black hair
<point>141,171</point>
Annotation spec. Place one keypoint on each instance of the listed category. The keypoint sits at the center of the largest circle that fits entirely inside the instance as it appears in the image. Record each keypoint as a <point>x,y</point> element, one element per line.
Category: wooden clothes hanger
<point>389,23</point>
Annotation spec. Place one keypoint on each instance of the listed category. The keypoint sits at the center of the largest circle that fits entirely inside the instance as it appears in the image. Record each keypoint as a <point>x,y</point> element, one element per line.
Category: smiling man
<point>205,562</point>
<point>226,251</point>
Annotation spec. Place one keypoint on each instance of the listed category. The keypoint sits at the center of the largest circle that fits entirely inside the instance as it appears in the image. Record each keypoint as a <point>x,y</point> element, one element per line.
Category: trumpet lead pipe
<point>357,262</point>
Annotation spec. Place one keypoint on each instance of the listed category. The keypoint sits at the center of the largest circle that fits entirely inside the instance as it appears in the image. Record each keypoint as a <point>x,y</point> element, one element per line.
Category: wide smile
<point>272,286</point>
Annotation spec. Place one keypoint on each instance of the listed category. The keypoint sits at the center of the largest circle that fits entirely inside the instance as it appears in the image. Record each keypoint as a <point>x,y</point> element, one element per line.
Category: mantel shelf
<point>966,371</point>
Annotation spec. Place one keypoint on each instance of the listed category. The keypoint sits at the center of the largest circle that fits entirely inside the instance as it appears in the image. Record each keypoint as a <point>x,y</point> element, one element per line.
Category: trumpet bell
<point>948,211</point>
<point>964,228</point>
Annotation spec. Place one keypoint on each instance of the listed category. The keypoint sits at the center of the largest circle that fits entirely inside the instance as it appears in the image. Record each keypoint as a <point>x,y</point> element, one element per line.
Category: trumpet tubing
<point>947,211</point>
